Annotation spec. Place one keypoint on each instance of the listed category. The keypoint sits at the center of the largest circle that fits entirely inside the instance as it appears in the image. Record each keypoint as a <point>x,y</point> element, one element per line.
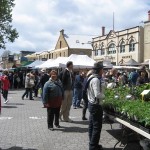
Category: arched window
<point>112,49</point>
<point>132,46</point>
<point>122,47</point>
<point>100,51</point>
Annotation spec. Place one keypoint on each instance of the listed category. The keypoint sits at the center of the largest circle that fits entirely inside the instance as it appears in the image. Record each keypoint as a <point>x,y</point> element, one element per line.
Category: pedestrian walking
<point>67,81</point>
<point>29,83</point>
<point>95,96</point>
<point>5,87</point>
<point>52,99</point>
<point>78,90</point>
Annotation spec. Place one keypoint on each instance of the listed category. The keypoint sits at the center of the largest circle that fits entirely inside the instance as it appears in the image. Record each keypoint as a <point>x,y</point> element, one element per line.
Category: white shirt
<point>95,90</point>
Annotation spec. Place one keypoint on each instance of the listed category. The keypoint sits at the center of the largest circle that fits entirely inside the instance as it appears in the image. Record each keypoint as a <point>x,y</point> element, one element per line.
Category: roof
<point>79,41</point>
<point>132,62</point>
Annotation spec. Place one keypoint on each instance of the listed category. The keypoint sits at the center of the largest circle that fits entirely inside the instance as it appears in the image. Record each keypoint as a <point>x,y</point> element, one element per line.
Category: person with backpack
<point>95,93</point>
<point>29,83</point>
<point>52,99</point>
<point>84,95</point>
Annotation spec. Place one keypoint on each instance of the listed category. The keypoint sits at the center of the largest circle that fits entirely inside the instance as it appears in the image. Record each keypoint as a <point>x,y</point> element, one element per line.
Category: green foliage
<point>133,109</point>
<point>7,32</point>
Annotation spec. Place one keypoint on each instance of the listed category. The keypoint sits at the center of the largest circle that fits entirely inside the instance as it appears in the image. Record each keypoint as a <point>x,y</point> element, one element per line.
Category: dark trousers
<point>95,125</point>
<point>51,114</point>
<point>5,94</point>
<point>35,92</point>
<point>85,106</point>
<point>28,91</point>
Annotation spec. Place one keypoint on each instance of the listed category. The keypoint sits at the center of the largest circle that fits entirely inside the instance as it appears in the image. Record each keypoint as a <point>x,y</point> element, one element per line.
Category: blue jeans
<point>77,96</point>
<point>95,125</point>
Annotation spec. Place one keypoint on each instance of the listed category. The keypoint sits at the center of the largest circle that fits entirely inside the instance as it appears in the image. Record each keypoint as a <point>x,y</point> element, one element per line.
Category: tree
<point>6,53</point>
<point>7,32</point>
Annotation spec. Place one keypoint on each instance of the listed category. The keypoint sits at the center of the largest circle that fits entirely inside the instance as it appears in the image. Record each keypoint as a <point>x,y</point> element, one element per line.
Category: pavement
<point>23,126</point>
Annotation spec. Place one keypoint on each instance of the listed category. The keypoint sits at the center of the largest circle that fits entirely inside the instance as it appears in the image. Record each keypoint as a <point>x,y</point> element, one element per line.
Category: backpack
<point>52,90</point>
<point>84,95</point>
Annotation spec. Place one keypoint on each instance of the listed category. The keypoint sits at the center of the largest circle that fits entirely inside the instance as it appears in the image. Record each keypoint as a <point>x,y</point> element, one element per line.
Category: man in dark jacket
<point>78,87</point>
<point>44,78</point>
<point>67,81</point>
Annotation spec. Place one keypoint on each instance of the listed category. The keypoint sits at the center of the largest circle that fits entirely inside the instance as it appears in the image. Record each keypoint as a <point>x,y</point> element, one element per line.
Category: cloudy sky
<point>39,21</point>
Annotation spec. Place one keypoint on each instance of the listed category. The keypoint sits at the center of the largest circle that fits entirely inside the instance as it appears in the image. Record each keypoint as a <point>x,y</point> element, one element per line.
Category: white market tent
<point>35,63</point>
<point>56,63</point>
<point>79,61</point>
<point>131,62</point>
<point>45,64</point>
<point>146,62</point>
<point>126,67</point>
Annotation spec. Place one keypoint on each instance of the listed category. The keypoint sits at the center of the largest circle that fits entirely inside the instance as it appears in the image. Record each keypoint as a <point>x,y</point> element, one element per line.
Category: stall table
<point>128,125</point>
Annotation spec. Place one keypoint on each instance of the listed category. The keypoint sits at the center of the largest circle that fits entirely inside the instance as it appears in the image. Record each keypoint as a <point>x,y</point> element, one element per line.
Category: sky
<point>38,22</point>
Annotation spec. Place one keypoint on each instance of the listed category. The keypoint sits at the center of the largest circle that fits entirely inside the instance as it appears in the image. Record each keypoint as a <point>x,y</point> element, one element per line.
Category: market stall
<point>129,107</point>
<point>35,63</point>
<point>79,61</point>
<point>45,64</point>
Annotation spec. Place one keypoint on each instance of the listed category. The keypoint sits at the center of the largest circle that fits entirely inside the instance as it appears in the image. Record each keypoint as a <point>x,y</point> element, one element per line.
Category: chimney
<point>62,32</point>
<point>149,15</point>
<point>103,31</point>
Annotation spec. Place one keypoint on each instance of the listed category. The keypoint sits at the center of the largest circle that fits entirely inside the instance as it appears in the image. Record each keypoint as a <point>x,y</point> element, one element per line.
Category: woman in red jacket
<point>5,87</point>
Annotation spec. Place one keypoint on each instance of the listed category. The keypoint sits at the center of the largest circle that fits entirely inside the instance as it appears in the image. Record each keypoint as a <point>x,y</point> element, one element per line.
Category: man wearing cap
<point>95,92</point>
<point>67,81</point>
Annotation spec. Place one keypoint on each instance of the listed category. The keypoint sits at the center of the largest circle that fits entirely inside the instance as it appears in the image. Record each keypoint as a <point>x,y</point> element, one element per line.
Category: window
<point>49,56</point>
<point>122,47</point>
<point>60,54</point>
<point>60,44</point>
<point>100,51</point>
<point>132,46</point>
<point>111,49</point>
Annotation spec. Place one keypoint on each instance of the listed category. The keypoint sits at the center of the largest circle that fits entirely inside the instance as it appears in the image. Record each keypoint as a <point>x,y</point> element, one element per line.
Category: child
<point>5,87</point>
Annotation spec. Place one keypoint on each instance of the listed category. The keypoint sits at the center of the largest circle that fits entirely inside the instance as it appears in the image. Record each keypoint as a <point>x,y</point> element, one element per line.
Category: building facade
<point>119,46</point>
<point>71,44</point>
<point>147,38</point>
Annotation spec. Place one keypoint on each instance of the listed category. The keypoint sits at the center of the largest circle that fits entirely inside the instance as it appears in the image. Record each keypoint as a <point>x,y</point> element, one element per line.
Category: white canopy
<point>52,63</point>
<point>45,64</point>
<point>126,67</point>
<point>57,62</point>
<point>79,61</point>
<point>35,63</point>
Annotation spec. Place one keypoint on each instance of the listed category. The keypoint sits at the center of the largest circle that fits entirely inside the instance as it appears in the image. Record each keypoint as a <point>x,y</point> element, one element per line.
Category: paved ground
<point>23,127</point>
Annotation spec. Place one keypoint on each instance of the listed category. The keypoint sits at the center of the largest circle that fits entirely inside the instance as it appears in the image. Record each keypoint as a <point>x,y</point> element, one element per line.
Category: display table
<point>127,124</point>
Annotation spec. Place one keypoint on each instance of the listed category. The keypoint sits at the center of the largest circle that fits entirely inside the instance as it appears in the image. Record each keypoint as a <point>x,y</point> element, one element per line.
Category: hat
<point>43,70</point>
<point>98,65</point>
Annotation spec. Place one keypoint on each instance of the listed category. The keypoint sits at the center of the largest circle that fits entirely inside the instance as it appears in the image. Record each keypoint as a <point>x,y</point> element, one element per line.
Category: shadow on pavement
<point>9,107</point>
<point>81,122</point>
<point>72,129</point>
<point>112,148</point>
<point>15,104</point>
<point>17,148</point>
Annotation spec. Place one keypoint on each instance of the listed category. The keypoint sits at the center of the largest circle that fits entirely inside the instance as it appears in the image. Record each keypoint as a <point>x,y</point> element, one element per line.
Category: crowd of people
<point>60,91</point>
